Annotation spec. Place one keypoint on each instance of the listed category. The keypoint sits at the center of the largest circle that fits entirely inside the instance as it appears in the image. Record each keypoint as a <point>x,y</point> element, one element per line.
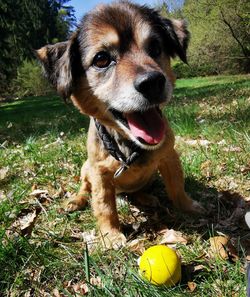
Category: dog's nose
<point>151,85</point>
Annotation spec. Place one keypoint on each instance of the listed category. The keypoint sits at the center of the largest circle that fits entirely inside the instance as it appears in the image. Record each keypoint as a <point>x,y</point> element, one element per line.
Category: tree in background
<point>220,35</point>
<point>26,25</point>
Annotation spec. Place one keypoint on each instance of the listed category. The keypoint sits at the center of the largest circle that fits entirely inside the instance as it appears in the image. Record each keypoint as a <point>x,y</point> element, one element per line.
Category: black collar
<point>112,147</point>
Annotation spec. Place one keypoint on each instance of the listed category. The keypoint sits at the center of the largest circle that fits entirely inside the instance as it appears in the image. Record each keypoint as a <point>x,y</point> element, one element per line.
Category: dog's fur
<point>114,61</point>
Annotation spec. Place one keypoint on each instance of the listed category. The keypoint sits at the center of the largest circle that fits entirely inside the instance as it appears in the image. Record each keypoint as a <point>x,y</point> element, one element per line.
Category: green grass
<point>42,145</point>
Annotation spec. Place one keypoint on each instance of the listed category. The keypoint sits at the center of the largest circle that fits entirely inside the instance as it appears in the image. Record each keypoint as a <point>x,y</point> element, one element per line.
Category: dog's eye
<point>154,49</point>
<point>102,60</point>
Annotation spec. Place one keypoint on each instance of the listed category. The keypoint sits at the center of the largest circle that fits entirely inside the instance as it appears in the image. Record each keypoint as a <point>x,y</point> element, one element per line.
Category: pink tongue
<point>147,125</point>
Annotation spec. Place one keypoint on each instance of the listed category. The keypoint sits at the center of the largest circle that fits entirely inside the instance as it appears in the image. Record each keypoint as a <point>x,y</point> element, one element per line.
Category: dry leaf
<point>192,286</point>
<point>4,144</point>
<point>89,237</point>
<point>24,223</point>
<point>38,192</point>
<point>222,247</point>
<point>222,142</point>
<point>206,168</point>
<point>2,196</point>
<point>56,293</point>
<point>199,267</point>
<point>96,281</point>
<point>41,195</point>
<point>245,170</point>
<point>170,236</point>
<point>218,244</point>
<point>9,125</point>
<point>60,193</point>
<point>77,178</point>
<point>232,148</point>
<point>3,172</point>
<point>78,289</point>
<point>199,142</point>
<point>136,246</point>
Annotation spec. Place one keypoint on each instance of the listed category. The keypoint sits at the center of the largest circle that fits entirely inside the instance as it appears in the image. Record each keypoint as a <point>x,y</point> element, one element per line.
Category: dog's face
<point>116,67</point>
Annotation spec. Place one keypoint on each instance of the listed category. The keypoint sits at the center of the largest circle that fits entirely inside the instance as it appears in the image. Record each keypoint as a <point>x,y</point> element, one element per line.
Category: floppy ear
<point>62,64</point>
<point>176,38</point>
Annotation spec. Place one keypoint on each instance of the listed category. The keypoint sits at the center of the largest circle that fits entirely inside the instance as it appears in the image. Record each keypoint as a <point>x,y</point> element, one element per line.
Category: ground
<point>43,249</point>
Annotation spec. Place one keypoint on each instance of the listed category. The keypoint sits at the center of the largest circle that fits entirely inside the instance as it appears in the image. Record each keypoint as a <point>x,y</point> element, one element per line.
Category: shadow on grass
<point>221,90</point>
<point>224,213</point>
<point>36,116</point>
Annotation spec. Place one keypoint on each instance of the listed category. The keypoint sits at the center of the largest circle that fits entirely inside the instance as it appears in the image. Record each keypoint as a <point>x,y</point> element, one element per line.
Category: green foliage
<point>220,34</point>
<point>30,80</point>
<point>26,25</point>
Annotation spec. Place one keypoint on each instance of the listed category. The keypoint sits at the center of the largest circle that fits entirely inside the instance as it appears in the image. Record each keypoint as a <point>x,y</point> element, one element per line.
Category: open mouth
<point>147,126</point>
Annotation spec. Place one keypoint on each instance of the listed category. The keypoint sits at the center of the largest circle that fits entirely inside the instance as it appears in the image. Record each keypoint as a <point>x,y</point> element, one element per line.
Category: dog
<point>116,69</point>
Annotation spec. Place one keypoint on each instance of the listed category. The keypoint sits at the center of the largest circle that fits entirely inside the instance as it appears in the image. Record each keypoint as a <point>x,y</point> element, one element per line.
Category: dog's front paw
<point>113,240</point>
<point>77,202</point>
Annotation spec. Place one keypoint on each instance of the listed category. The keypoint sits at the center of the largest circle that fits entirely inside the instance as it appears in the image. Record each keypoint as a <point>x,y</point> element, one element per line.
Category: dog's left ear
<point>176,38</point>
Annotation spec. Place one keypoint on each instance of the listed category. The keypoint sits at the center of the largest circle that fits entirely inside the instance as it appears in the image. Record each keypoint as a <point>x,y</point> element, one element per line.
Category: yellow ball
<point>160,265</point>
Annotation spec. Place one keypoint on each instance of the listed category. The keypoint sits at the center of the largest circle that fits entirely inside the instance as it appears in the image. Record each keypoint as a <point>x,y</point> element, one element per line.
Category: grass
<point>42,146</point>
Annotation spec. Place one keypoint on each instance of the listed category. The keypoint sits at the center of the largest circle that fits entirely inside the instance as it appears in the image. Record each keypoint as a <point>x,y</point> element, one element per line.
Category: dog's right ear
<point>62,64</point>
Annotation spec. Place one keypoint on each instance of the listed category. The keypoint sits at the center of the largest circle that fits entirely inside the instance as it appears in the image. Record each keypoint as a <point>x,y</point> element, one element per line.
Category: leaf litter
<point>24,223</point>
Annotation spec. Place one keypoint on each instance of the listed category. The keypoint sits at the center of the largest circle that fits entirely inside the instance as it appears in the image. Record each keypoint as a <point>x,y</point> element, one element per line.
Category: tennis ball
<point>160,265</point>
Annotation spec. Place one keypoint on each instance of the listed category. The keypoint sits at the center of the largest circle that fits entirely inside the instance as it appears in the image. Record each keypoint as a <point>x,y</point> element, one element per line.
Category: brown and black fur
<point>132,35</point>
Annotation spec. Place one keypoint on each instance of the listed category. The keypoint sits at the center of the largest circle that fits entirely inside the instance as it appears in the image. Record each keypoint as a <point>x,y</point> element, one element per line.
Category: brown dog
<point>116,69</point>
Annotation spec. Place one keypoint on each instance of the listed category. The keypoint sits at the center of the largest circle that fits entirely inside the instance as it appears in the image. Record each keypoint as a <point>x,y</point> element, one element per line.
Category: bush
<point>182,70</point>
<point>30,80</point>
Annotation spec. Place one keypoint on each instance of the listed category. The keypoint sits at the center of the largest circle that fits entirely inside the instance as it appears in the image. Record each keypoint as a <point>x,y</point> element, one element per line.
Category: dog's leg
<point>172,174</point>
<point>104,208</point>
<point>79,201</point>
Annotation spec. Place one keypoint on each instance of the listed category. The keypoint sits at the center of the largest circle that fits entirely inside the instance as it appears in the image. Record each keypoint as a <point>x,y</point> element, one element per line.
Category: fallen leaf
<point>192,286</point>
<point>2,196</point>
<point>24,223</point>
<point>222,246</point>
<point>232,185</point>
<point>77,178</point>
<point>136,246</point>
<point>60,193</point>
<point>28,293</point>
<point>232,148</point>
<point>4,144</point>
<point>9,125</point>
<point>78,289</point>
<point>89,237</point>
<point>245,169</point>
<point>58,141</point>
<point>218,244</point>
<point>198,142</point>
<point>42,196</point>
<point>56,293</point>
<point>96,281</point>
<point>206,168</point>
<point>222,142</point>
<point>38,192</point>
<point>3,172</point>
<point>199,267</point>
<point>170,236</point>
